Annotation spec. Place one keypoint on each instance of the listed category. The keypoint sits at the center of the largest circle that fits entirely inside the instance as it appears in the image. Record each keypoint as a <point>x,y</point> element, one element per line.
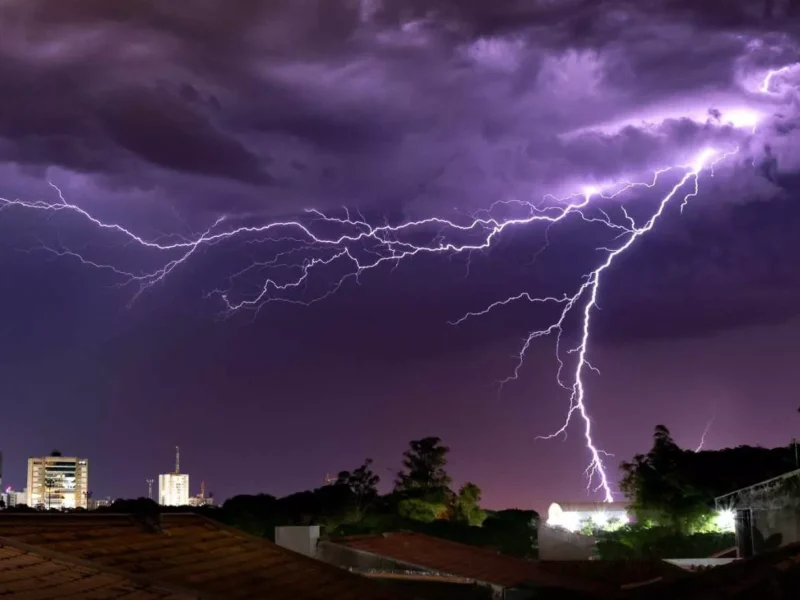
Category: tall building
<point>173,488</point>
<point>58,482</point>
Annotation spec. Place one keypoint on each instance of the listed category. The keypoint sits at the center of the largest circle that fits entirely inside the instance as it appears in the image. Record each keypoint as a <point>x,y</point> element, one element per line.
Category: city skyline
<point>294,239</point>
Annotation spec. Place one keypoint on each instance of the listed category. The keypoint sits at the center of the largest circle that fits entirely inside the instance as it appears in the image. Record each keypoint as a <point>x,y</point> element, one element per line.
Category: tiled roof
<point>774,575</point>
<point>192,552</point>
<point>27,573</point>
<point>479,564</point>
<point>614,573</point>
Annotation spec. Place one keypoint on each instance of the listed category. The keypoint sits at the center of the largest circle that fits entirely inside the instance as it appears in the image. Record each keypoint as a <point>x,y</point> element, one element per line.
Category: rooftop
<point>774,575</point>
<point>478,564</point>
<point>31,573</point>
<point>192,552</point>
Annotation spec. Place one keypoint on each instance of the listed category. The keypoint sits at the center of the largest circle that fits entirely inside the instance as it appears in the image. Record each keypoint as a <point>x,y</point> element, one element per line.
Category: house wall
<point>348,558</point>
<point>773,528</point>
<point>300,539</point>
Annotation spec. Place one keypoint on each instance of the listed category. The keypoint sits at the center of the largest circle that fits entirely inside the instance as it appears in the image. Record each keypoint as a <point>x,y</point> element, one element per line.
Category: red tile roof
<point>31,573</point>
<point>479,564</point>
<point>192,552</point>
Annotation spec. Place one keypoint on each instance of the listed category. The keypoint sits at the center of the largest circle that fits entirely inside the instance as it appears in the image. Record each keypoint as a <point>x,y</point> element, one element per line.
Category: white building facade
<point>173,489</point>
<point>58,482</point>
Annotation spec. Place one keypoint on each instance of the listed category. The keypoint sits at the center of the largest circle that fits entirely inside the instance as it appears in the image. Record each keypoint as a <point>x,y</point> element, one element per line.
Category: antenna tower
<point>177,460</point>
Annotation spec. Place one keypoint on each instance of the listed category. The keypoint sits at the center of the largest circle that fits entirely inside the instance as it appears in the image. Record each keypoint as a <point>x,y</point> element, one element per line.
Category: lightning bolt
<point>705,432</point>
<point>351,245</point>
<point>766,83</point>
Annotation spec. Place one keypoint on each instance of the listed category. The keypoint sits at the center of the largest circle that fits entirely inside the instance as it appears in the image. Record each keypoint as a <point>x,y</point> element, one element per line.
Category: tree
<point>513,532</point>
<point>363,482</point>
<point>675,487</point>
<point>466,507</point>
<point>659,488</point>
<point>50,483</point>
<point>424,464</point>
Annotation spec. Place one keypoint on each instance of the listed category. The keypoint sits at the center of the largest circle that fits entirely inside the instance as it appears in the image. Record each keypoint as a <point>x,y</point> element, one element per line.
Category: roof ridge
<point>482,549</point>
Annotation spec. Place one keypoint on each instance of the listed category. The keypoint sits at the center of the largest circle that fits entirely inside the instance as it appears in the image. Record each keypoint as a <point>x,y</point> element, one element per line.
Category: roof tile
<point>479,564</point>
<point>29,573</point>
<point>191,551</point>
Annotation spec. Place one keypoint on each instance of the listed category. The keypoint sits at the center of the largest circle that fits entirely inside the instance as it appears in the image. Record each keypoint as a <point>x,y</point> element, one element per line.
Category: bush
<point>643,542</point>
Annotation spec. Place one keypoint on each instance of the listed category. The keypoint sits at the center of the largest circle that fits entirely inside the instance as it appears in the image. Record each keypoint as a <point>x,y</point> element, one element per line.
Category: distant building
<point>567,534</point>
<point>173,488</point>
<point>94,504</point>
<point>13,497</point>
<point>202,499</point>
<point>58,482</point>
<point>574,516</point>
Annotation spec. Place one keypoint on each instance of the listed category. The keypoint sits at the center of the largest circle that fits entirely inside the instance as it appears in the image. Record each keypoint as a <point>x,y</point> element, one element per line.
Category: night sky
<point>163,118</point>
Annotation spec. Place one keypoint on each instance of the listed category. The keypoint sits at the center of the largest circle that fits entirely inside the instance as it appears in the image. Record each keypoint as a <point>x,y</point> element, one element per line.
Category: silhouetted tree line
<point>671,491</point>
<point>675,487</point>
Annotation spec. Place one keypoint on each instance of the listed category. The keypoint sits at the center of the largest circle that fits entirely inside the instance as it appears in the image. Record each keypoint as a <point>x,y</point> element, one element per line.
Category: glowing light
<point>575,520</point>
<point>725,520</point>
<point>743,117</point>
<point>570,521</point>
<point>590,191</point>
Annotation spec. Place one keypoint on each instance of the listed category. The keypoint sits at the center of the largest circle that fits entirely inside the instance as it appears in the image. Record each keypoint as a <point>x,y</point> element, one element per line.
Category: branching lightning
<point>345,247</point>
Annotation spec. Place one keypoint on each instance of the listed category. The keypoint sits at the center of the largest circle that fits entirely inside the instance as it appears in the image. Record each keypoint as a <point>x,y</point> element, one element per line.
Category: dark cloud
<point>259,108</point>
<point>169,134</point>
<point>372,91</point>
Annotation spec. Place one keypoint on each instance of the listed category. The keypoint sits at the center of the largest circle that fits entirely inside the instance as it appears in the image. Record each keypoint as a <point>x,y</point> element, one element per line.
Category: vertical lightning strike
<point>705,432</point>
<point>589,291</point>
<point>592,287</point>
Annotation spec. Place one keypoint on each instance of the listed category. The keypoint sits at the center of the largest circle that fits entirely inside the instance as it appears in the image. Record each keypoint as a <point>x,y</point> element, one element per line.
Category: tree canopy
<point>363,482</point>
<point>676,487</point>
<point>424,464</point>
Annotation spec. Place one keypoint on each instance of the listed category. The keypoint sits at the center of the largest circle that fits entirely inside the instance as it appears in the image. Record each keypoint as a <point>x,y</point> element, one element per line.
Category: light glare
<point>725,520</point>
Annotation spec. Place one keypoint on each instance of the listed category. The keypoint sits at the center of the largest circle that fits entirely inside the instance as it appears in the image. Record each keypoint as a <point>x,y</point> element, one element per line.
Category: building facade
<point>58,482</point>
<point>173,489</point>
<point>765,515</point>
<point>13,497</point>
